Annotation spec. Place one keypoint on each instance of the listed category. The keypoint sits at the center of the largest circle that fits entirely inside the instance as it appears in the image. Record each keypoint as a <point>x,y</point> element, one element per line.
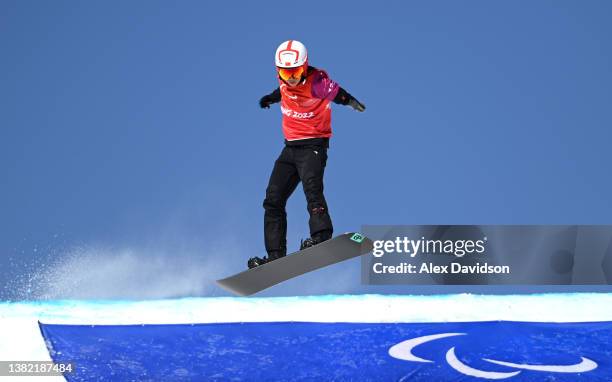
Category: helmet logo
<point>291,53</point>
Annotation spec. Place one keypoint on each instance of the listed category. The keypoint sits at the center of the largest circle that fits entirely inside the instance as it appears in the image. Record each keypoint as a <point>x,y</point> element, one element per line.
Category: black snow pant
<point>295,163</point>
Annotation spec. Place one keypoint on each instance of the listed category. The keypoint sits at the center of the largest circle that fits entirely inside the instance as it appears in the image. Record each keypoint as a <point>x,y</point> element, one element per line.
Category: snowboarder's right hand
<point>356,105</point>
<point>266,101</point>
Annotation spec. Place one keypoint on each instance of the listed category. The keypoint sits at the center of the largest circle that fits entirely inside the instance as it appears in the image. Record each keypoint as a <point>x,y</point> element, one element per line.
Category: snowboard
<point>340,248</point>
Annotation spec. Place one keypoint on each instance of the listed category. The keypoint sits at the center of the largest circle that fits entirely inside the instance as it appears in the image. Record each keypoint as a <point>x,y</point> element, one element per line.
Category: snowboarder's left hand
<point>356,105</point>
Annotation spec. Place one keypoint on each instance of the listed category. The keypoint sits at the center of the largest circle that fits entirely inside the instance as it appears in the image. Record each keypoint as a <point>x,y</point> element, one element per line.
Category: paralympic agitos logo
<point>403,351</point>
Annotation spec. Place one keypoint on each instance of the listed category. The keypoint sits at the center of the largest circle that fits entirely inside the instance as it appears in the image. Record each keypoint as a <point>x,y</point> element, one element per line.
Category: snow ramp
<point>386,338</point>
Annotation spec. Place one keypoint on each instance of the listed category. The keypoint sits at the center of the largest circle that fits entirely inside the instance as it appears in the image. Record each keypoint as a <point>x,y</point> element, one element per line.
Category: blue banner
<point>306,351</point>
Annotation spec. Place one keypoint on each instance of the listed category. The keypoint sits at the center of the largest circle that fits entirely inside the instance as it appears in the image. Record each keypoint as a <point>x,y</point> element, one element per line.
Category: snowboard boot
<point>317,238</point>
<point>257,261</point>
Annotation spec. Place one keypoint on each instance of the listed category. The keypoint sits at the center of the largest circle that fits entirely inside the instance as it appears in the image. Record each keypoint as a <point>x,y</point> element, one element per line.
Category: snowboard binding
<point>307,243</point>
<point>316,239</point>
<point>257,261</point>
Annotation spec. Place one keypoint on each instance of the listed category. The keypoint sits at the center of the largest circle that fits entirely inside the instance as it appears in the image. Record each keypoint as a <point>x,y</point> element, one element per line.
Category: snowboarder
<point>305,93</point>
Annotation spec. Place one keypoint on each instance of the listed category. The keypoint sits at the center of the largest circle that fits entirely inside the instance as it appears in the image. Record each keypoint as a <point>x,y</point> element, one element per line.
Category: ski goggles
<point>288,73</point>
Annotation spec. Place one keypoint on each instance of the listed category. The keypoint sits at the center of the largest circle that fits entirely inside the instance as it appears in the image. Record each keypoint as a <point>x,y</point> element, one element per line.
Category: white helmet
<point>291,54</point>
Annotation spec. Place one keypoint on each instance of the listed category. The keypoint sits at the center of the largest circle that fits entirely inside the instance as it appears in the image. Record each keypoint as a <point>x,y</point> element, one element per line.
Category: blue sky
<point>133,127</point>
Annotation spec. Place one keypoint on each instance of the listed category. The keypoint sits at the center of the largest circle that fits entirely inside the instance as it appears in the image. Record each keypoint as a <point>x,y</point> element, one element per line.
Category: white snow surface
<point>21,338</point>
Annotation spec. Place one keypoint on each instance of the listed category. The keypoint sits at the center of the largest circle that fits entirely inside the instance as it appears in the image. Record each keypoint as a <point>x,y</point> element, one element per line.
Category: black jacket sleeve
<point>269,99</point>
<point>344,98</point>
<point>275,96</point>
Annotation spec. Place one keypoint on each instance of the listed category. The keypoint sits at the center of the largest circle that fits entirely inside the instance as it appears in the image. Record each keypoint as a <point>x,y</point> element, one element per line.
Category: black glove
<point>356,105</point>
<point>266,101</point>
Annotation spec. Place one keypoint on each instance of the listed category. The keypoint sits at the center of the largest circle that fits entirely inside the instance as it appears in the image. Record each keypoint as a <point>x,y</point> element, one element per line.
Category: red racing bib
<point>306,107</point>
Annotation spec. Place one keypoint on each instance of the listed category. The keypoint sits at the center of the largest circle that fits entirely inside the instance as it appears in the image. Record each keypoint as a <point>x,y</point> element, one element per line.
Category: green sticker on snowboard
<point>357,237</point>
